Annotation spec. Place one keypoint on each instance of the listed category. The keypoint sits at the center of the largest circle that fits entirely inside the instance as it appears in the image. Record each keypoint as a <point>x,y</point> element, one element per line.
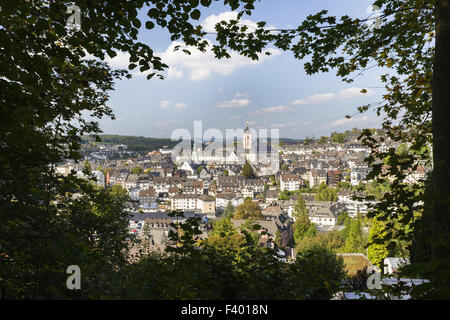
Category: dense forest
<point>140,144</point>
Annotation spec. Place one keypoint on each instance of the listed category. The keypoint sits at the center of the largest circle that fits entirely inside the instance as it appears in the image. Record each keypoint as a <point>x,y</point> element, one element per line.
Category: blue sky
<point>273,93</point>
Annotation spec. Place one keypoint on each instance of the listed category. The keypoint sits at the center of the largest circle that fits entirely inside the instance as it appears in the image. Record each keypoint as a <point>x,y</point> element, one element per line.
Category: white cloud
<point>350,93</point>
<point>174,73</point>
<point>202,65</point>
<point>180,106</point>
<point>363,121</point>
<point>200,74</point>
<point>234,103</point>
<point>165,104</point>
<point>235,117</point>
<point>275,109</point>
<point>168,123</point>
<point>315,99</point>
<point>120,61</point>
<point>198,65</point>
<point>242,94</point>
<point>284,125</point>
<point>354,92</point>
<point>210,22</point>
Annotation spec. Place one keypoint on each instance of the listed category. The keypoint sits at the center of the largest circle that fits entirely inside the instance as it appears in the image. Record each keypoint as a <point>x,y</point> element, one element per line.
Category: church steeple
<point>246,126</point>
<point>247,138</point>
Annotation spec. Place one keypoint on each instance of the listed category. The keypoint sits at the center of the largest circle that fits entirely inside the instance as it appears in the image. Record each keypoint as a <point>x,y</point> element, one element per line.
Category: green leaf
<point>153,13</point>
<point>195,14</point>
<point>136,23</point>
<point>205,3</point>
<point>149,25</point>
<point>194,3</point>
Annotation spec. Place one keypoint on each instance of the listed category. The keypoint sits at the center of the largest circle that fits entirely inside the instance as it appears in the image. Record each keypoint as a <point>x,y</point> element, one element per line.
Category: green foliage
<point>306,188</point>
<point>344,185</point>
<point>229,210</point>
<point>273,180</point>
<point>376,252</point>
<point>250,228</point>
<point>119,192</point>
<point>277,241</point>
<point>138,144</point>
<point>248,209</point>
<point>322,272</point>
<point>247,171</point>
<point>300,207</point>
<point>342,217</point>
<point>354,236</point>
<point>284,195</point>
<point>338,137</point>
<point>229,265</point>
<point>353,242</point>
<point>323,140</point>
<point>303,228</point>
<point>224,235</point>
<point>82,211</point>
<point>211,269</point>
<point>87,165</point>
<point>373,190</point>
<point>136,170</point>
<point>326,194</point>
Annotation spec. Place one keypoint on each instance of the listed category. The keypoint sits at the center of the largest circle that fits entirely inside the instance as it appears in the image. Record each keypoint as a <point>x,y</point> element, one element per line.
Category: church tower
<point>247,139</point>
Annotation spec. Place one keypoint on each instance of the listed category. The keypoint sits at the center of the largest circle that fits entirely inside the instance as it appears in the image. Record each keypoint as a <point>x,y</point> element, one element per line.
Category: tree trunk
<point>441,133</point>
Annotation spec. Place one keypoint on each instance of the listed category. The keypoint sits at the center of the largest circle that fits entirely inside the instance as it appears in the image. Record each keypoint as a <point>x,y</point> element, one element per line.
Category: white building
<point>391,265</point>
<point>184,202</point>
<point>193,202</point>
<point>187,167</point>
<point>222,200</point>
<point>357,175</point>
<point>290,182</point>
<point>353,207</point>
<point>322,216</point>
<point>248,193</point>
<point>134,194</point>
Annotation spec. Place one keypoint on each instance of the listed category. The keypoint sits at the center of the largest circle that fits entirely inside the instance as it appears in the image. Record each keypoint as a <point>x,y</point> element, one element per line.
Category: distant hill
<point>142,144</point>
<point>291,141</point>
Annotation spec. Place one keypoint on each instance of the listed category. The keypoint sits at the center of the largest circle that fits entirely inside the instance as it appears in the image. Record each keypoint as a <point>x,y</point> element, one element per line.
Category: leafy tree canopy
<point>247,171</point>
<point>248,209</point>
